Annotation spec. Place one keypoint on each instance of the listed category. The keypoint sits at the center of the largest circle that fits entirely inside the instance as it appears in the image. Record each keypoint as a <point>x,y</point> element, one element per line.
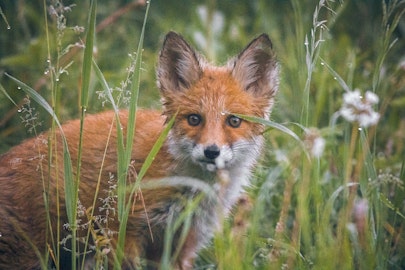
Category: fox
<point>209,142</point>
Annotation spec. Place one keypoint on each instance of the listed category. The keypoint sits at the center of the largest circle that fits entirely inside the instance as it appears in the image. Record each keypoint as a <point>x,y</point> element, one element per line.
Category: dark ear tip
<point>264,36</point>
<point>265,39</point>
<point>171,35</point>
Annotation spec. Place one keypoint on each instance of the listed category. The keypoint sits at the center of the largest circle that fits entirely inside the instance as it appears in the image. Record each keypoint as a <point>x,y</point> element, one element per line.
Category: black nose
<point>212,151</point>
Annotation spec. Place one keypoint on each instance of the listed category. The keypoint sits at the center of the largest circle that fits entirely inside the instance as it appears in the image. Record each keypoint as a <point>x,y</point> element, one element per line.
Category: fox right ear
<point>178,65</point>
<point>256,68</point>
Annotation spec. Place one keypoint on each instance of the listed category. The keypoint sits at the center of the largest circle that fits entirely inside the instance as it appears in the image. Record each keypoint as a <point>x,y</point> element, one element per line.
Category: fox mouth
<point>208,165</point>
<point>206,161</point>
<point>212,158</point>
<point>212,165</point>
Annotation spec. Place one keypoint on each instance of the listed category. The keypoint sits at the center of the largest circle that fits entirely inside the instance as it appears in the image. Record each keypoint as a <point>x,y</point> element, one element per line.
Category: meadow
<point>329,192</point>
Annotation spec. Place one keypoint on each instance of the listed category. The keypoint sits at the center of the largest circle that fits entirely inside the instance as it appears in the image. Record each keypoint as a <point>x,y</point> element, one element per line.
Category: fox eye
<point>194,119</point>
<point>234,121</point>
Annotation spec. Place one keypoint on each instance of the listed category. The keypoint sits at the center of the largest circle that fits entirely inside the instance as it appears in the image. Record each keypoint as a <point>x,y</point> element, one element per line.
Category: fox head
<point>207,99</point>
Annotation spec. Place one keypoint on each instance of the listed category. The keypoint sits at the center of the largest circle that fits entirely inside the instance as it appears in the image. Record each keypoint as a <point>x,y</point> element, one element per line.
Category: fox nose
<point>212,151</point>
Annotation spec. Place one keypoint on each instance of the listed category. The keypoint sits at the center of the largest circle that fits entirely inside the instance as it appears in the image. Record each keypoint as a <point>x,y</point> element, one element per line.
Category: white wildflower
<point>314,142</point>
<point>372,98</point>
<point>355,108</point>
<point>318,147</point>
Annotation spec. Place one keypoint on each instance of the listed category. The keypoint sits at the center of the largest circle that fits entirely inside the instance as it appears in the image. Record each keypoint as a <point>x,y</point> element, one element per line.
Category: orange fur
<point>197,149</point>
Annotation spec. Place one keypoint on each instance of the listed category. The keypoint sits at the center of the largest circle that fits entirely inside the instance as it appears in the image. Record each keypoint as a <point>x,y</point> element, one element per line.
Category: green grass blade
<point>336,76</point>
<point>86,75</point>
<point>152,154</point>
<point>36,97</point>
<point>280,127</point>
<point>148,161</point>
<point>390,205</point>
<point>122,165</point>
<point>104,85</point>
<point>183,223</point>
<point>7,95</point>
<point>135,89</point>
<point>368,163</point>
<point>269,123</point>
<point>88,54</point>
<point>69,183</point>
<point>125,153</point>
<point>124,157</point>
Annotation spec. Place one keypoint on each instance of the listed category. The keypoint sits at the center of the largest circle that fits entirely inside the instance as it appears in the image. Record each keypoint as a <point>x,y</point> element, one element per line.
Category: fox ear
<point>256,68</point>
<point>178,65</point>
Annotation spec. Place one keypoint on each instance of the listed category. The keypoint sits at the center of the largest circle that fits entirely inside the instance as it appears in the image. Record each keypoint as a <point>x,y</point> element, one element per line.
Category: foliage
<point>334,199</point>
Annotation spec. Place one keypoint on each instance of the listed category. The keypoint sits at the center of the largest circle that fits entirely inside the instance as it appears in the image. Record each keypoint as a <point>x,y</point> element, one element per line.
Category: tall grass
<point>322,198</point>
<point>125,144</point>
<point>333,211</point>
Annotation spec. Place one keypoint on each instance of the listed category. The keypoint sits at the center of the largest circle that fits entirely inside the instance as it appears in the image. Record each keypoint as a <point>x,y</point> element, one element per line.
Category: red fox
<point>207,140</point>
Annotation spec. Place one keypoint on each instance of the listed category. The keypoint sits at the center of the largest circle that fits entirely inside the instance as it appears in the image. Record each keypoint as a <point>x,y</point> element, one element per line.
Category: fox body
<point>207,143</point>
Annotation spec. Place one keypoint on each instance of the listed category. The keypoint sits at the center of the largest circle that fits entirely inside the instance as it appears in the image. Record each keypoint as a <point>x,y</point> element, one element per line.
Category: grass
<point>329,192</point>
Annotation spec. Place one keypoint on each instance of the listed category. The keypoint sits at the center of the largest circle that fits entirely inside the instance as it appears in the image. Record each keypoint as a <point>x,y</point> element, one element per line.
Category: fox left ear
<point>178,65</point>
<point>256,68</point>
